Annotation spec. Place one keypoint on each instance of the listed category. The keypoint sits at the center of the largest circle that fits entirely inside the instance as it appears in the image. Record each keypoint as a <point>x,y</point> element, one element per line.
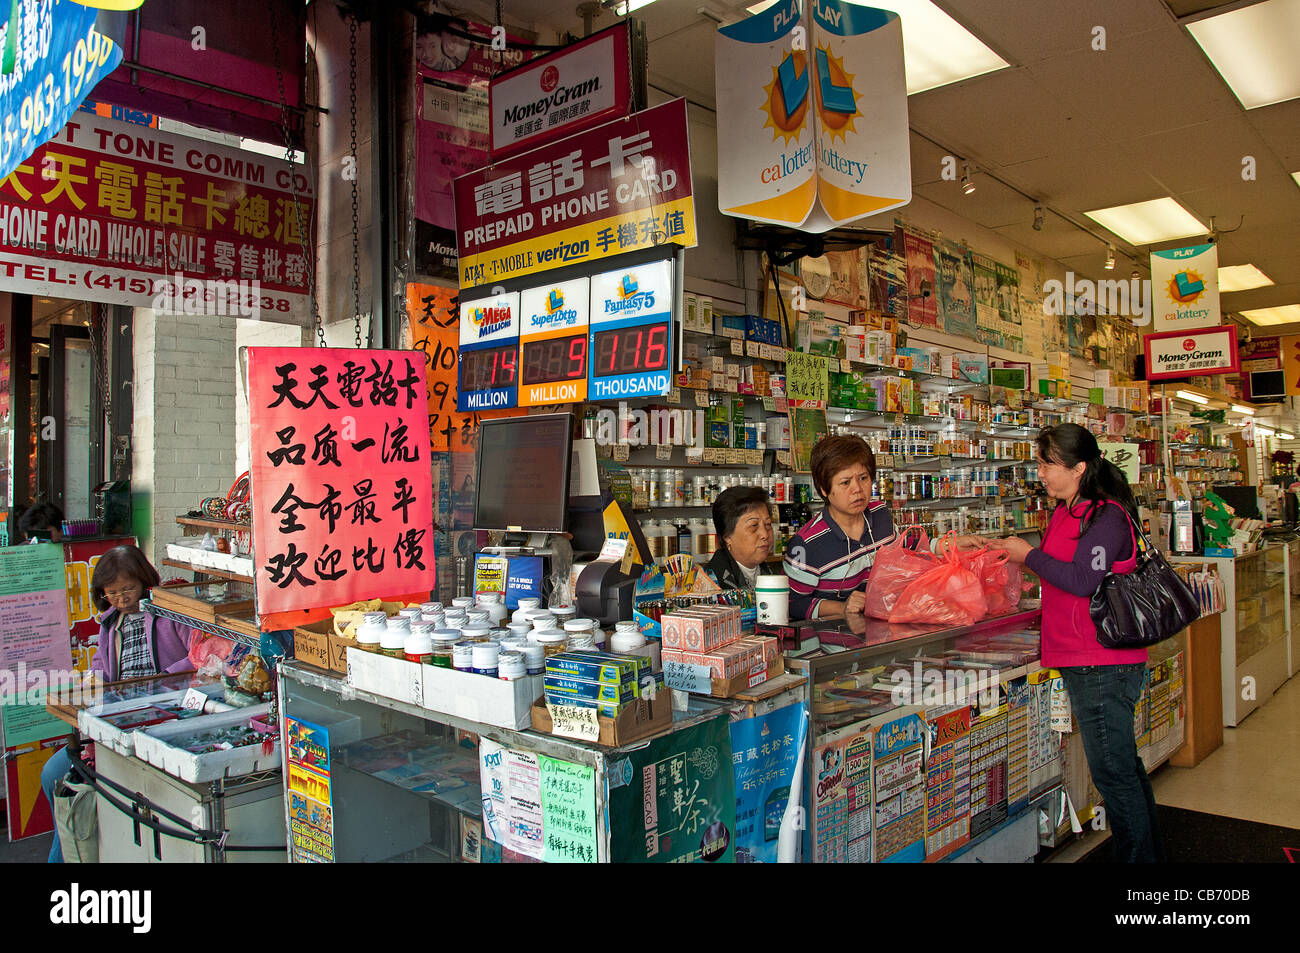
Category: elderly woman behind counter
<point>744,525</point>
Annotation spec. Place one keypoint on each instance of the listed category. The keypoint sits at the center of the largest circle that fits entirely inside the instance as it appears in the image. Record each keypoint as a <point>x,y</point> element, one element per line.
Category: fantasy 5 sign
<point>820,103</point>
<point>53,57</point>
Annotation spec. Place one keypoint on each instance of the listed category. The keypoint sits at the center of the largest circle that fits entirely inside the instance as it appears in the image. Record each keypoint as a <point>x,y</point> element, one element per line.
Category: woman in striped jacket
<point>830,557</point>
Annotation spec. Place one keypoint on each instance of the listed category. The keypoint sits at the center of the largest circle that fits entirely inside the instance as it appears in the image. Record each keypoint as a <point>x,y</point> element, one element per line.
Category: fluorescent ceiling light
<point>1253,49</point>
<point>937,50</point>
<point>628,6</point>
<point>1284,314</point>
<point>1241,278</point>
<point>1263,430</point>
<point>1194,398</point>
<point>1237,408</point>
<point>1296,176</point>
<point>1283,435</point>
<point>1145,223</point>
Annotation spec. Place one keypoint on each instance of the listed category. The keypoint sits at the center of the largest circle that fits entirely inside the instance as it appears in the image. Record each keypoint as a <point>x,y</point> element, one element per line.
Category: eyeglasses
<point>121,593</point>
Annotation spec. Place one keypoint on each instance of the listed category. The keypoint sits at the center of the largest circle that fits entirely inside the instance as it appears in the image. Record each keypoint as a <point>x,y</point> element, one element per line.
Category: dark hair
<point>41,517</point>
<point>1070,445</point>
<point>833,454</point>
<point>734,503</point>
<point>121,562</point>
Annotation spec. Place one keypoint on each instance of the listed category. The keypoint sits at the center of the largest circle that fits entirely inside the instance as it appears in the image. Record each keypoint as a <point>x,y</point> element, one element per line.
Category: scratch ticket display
<point>830,806</point>
<point>857,787</point>
<point>988,771</point>
<point>1044,742</point>
<point>947,781</point>
<point>898,782</point>
<point>1018,712</point>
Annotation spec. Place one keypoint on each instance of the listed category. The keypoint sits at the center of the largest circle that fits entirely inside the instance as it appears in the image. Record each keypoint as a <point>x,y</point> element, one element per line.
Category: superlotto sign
<point>631,342</point>
<point>488,374</point>
<point>553,343</point>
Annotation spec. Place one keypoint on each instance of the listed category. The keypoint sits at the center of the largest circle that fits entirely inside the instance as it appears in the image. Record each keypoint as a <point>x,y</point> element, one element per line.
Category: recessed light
<point>937,50</point>
<point>1241,278</point>
<point>1296,176</point>
<point>1145,223</point>
<point>1253,48</point>
<point>1283,314</point>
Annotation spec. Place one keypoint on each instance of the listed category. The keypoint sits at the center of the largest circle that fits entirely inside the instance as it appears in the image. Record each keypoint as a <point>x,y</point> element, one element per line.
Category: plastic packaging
<point>946,594</point>
<point>894,568</point>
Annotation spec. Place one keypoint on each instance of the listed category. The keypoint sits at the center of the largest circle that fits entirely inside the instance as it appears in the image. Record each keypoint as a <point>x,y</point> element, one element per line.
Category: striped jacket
<point>822,563</point>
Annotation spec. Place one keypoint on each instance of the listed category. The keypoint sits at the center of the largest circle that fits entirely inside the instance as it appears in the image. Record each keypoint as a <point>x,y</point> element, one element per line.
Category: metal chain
<point>352,120</point>
<point>308,254</point>
<point>99,335</point>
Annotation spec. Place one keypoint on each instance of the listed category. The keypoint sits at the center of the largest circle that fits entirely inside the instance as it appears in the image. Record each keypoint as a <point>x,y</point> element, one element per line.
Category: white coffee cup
<point>772,595</point>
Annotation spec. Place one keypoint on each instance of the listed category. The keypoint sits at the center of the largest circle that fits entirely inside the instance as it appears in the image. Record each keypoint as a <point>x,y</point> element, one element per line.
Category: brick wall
<point>184,440</point>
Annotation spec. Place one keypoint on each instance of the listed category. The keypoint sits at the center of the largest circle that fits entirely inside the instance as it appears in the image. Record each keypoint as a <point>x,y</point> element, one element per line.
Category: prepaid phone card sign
<point>340,467</point>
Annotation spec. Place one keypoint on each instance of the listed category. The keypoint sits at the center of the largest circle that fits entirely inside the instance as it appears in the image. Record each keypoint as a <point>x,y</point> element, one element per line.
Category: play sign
<point>1191,353</point>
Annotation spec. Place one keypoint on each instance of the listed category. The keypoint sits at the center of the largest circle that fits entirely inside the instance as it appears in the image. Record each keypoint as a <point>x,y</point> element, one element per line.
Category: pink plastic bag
<point>894,567</point>
<point>947,594</point>
<point>1000,579</point>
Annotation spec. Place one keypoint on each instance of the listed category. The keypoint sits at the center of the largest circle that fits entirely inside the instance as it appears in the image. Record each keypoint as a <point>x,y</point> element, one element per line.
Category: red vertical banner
<point>79,558</point>
<point>341,477</point>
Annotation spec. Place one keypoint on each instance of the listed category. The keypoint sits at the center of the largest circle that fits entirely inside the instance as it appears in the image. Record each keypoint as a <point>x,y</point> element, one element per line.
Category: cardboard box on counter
<point>639,719</point>
<point>318,646</point>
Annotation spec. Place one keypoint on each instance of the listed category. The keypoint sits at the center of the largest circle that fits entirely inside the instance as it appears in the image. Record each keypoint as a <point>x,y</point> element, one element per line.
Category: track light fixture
<point>1038,218</point>
<point>967,183</point>
<point>1110,257</point>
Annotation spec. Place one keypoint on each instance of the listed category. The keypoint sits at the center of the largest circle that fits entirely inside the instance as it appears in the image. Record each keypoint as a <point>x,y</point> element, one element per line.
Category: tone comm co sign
<point>1191,353</point>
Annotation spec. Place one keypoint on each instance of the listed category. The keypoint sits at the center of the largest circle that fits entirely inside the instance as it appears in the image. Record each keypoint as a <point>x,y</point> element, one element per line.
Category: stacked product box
<point>710,637</point>
<point>606,681</point>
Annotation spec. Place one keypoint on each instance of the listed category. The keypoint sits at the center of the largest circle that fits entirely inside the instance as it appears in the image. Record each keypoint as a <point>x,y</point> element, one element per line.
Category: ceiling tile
<point>1279,126</point>
<point>1030,30</point>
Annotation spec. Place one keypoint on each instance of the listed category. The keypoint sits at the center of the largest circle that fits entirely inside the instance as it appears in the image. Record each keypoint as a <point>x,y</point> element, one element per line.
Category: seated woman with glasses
<point>132,644</point>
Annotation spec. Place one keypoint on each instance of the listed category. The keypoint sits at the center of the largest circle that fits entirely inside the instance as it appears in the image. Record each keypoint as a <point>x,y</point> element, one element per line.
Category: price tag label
<point>702,398</point>
<point>765,351</point>
<point>733,385</point>
<point>783,457</point>
<point>757,676</point>
<point>664,451</point>
<point>687,678</point>
<point>675,395</point>
<point>735,457</point>
<point>574,721</point>
<point>194,700</point>
<point>738,347</point>
<point>833,365</point>
<point>621,452</point>
<point>717,381</point>
<point>754,457</point>
<point>779,354</point>
<point>710,454</point>
<point>694,454</point>
<point>753,348</point>
<point>769,404</point>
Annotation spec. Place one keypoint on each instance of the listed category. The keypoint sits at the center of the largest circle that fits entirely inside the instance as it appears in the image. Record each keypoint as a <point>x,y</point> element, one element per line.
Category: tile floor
<point>1255,776</point>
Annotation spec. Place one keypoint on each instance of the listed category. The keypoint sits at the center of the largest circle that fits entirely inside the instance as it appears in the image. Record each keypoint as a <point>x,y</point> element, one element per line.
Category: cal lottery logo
<point>556,314</point>
<point>554,301</point>
<point>794,88</point>
<point>630,298</point>
<point>490,320</point>
<point>1186,287</point>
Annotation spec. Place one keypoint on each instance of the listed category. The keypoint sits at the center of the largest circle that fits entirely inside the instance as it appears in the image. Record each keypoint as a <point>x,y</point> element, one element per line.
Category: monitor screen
<point>1267,384</point>
<point>1242,499</point>
<point>522,480</point>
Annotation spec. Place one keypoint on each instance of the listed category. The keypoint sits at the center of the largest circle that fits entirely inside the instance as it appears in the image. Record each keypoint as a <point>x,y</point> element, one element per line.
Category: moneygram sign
<point>1191,354</point>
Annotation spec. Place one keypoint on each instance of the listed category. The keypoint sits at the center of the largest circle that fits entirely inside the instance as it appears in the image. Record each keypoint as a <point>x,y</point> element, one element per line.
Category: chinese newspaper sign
<point>807,380</point>
<point>113,212</point>
<point>619,187</point>
<point>562,93</point>
<point>311,809</point>
<point>765,759</point>
<point>819,101</point>
<point>340,467</point>
<point>683,791</point>
<point>53,57</point>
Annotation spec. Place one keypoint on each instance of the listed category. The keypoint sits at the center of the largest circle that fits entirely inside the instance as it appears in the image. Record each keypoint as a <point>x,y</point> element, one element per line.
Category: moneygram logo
<point>489,320</point>
<point>1186,287</point>
<point>630,298</point>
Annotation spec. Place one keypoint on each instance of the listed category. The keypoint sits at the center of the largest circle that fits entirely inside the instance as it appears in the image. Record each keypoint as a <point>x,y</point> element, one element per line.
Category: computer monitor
<point>521,484</point>
<point>1242,499</point>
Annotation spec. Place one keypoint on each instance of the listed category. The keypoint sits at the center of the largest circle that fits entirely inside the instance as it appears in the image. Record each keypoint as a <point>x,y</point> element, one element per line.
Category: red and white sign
<point>111,211</point>
<point>567,91</point>
<point>1191,353</point>
<point>620,187</point>
<point>340,467</point>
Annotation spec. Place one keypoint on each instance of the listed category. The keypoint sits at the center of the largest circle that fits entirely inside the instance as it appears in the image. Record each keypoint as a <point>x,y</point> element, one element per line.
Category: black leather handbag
<point>1140,608</point>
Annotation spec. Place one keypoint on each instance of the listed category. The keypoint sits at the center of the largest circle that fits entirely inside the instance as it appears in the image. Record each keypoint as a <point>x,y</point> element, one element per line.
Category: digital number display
<point>488,369</point>
<point>554,359</point>
<point>631,350</point>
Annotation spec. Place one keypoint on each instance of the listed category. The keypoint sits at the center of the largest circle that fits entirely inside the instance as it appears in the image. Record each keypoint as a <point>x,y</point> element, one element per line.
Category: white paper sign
<point>574,721</point>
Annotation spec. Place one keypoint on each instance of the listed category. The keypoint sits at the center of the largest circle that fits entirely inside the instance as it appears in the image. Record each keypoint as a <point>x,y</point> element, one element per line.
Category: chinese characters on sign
<point>620,187</point>
<point>340,460</point>
<point>765,760</point>
<point>114,212</point>
<point>1125,456</point>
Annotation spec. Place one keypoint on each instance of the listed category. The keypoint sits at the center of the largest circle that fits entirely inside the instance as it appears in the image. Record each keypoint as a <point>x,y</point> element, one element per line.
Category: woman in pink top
<point>1089,535</point>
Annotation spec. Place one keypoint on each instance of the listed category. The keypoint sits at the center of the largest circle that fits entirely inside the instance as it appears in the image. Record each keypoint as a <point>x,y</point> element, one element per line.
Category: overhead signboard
<point>1185,288</point>
<point>631,332</point>
<point>619,187</point>
<point>488,377</point>
<point>553,343</point>
<point>580,86</point>
<point>1202,353</point>
<point>819,102</point>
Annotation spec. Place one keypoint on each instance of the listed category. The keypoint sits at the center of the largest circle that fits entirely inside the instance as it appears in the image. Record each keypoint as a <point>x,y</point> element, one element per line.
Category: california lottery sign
<point>553,343</point>
<point>619,187</point>
<point>1185,288</point>
<point>820,104</point>
<point>631,332</point>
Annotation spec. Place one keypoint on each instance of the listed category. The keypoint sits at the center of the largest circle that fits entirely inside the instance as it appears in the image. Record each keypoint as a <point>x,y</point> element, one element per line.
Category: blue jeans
<point>1102,698</point>
<point>55,770</point>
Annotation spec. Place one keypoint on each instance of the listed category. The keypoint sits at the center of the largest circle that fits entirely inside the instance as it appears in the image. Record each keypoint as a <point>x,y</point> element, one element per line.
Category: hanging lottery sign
<point>553,349</point>
<point>631,343</point>
<point>488,376</point>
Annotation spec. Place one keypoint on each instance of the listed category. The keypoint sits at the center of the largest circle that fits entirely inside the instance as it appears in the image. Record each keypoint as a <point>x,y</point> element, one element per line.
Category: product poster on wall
<point>683,791</point>
<point>765,758</point>
<point>922,297</point>
<point>947,781</point>
<point>953,272</point>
